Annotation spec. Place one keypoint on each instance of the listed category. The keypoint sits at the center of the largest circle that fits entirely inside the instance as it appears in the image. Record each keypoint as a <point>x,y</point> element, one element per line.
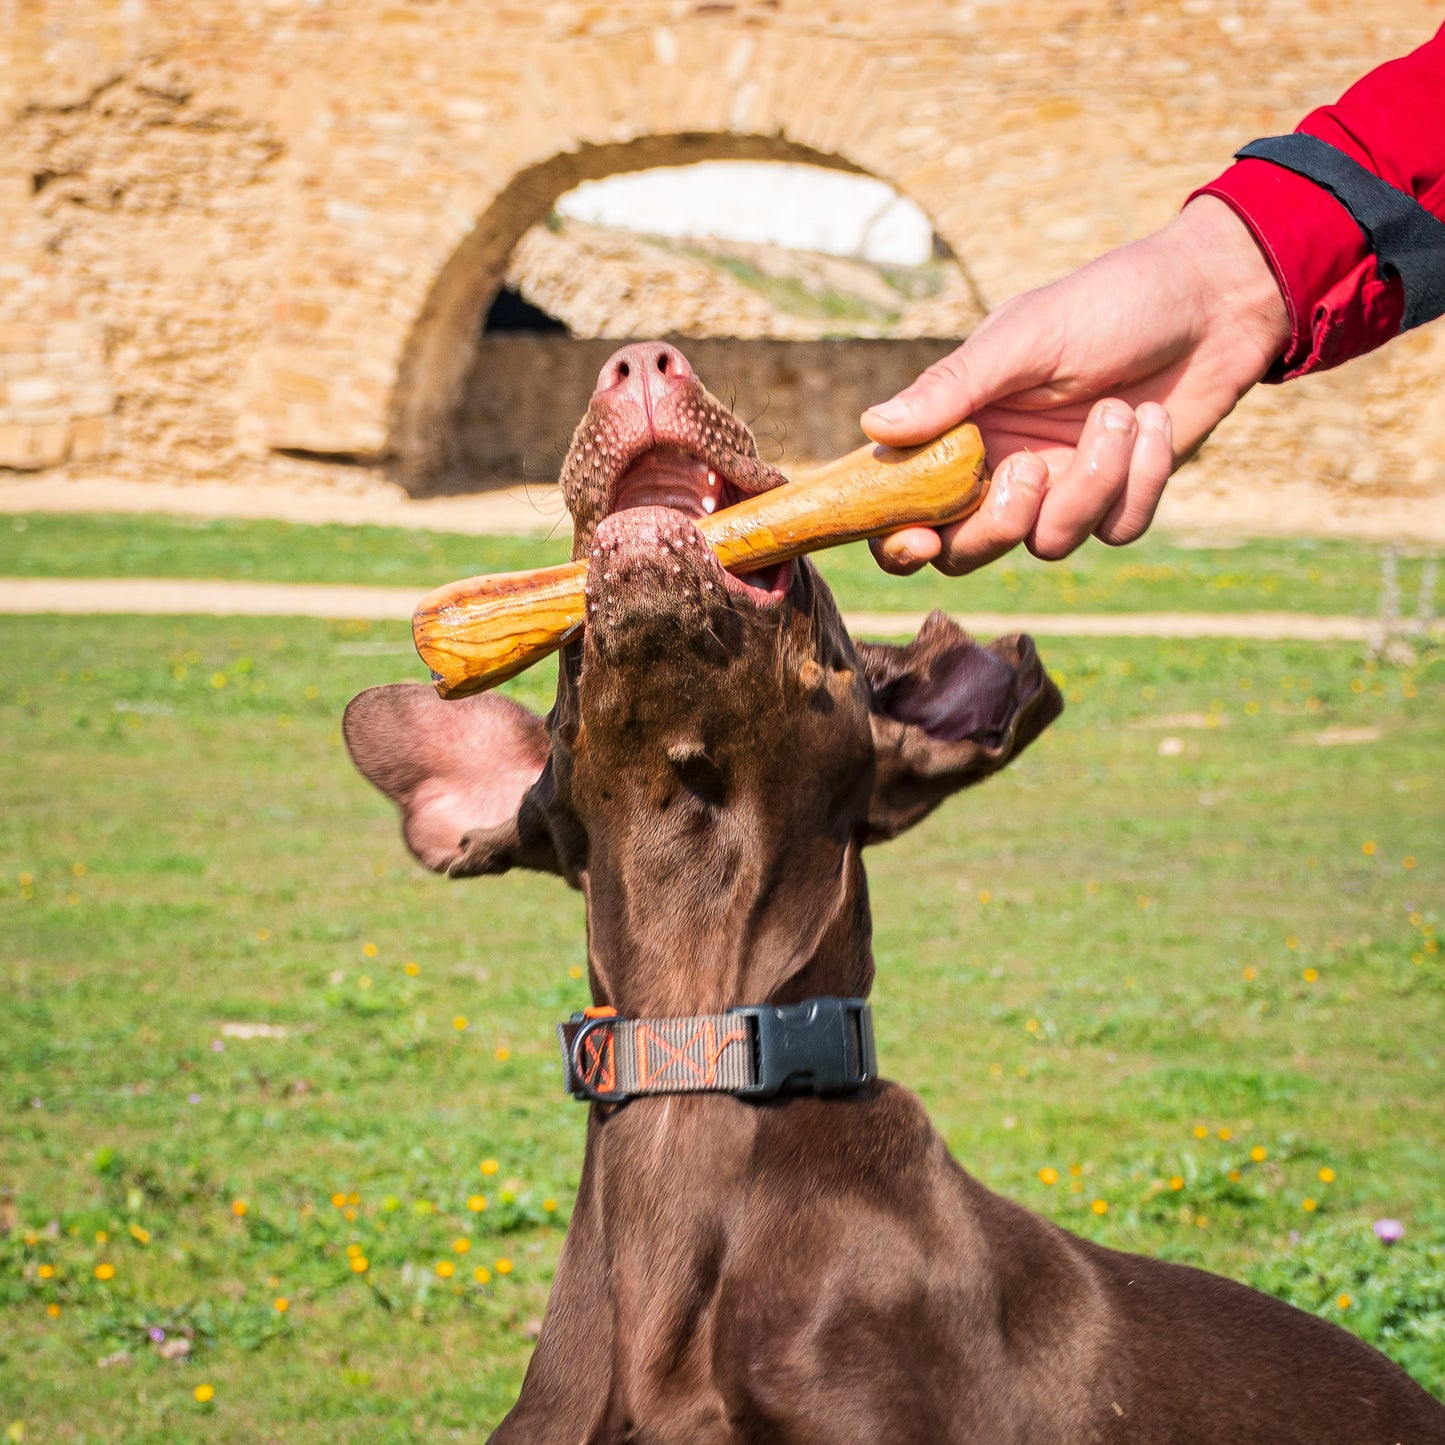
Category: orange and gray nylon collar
<point>819,1046</point>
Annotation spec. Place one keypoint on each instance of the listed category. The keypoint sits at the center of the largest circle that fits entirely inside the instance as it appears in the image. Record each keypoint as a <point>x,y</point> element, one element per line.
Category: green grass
<point>1080,965</point>
<point>1154,575</point>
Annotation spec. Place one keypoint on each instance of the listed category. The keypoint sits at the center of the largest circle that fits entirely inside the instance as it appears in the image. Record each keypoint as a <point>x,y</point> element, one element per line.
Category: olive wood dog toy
<point>480,631</point>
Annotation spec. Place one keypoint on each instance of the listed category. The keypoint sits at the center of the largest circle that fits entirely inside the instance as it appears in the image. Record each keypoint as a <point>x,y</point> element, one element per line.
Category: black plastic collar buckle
<point>819,1046</point>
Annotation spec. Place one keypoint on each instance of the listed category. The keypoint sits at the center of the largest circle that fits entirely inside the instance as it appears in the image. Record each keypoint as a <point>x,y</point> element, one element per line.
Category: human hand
<point>1090,391</point>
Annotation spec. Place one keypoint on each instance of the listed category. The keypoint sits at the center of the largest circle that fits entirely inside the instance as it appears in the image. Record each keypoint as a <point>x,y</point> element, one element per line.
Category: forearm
<point>1393,123</point>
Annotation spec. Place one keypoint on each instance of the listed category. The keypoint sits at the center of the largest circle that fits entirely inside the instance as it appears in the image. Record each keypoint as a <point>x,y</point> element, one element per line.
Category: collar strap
<point>819,1046</point>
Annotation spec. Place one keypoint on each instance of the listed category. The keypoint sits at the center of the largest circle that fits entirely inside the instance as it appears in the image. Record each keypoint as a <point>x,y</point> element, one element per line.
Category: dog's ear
<point>471,777</point>
<point>946,714</point>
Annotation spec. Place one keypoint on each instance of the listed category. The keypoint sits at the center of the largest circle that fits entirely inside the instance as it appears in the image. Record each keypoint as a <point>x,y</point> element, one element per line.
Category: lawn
<point>283,1122</point>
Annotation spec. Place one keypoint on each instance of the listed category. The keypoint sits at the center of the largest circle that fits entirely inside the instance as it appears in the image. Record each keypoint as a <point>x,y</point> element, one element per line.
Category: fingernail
<point>893,411</point>
<point>1118,419</point>
<point>1153,418</point>
<point>1022,472</point>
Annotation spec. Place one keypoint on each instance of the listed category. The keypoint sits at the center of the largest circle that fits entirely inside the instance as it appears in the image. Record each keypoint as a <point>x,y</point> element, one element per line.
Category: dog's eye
<point>698,773</point>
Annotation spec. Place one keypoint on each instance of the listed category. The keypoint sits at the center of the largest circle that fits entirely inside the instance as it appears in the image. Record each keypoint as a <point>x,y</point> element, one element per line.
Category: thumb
<point>994,362</point>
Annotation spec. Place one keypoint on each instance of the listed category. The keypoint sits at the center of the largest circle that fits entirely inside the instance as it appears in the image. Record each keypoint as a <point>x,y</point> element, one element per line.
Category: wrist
<point>1240,292</point>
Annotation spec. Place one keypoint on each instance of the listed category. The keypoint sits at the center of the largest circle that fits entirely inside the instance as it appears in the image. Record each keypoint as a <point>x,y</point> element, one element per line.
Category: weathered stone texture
<point>274,224</point>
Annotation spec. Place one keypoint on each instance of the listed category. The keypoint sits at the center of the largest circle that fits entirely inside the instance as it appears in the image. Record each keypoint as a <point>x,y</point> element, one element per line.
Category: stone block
<point>90,438</point>
<point>31,390</point>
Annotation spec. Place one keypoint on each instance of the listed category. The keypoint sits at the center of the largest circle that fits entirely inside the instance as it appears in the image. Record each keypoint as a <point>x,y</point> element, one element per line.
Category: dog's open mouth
<point>668,476</point>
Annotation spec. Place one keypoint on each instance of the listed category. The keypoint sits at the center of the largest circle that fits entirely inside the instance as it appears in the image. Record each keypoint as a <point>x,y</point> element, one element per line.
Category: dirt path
<point>166,596</point>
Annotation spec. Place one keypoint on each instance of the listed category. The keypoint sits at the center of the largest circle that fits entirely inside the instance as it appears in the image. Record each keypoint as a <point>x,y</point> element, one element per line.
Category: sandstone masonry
<point>258,226</point>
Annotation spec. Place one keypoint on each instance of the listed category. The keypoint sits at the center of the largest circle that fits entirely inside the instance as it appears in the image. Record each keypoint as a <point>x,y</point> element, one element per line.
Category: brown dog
<point>801,1268</point>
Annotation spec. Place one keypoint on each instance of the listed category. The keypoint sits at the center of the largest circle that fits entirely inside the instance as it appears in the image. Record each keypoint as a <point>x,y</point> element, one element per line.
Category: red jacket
<point>1392,122</point>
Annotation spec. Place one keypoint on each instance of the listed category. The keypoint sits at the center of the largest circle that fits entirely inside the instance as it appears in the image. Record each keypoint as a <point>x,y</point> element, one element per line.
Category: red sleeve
<point>1393,123</point>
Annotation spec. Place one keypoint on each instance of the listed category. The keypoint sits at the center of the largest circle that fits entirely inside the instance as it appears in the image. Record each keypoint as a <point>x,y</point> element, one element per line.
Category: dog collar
<point>819,1046</point>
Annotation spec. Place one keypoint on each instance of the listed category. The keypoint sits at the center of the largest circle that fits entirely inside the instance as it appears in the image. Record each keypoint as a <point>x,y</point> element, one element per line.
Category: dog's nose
<point>643,373</point>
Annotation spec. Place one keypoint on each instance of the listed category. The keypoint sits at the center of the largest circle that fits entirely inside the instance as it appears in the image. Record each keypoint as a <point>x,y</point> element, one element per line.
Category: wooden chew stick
<point>478,632</point>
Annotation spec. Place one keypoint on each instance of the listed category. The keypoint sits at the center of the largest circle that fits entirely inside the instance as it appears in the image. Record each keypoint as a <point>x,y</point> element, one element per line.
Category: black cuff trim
<point>1408,241</point>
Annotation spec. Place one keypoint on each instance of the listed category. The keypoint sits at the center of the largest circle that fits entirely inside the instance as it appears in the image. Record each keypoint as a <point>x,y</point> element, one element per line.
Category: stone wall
<point>260,225</point>
<point>802,398</point>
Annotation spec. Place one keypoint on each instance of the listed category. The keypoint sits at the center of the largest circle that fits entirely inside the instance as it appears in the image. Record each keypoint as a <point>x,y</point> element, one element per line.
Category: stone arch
<point>441,348</point>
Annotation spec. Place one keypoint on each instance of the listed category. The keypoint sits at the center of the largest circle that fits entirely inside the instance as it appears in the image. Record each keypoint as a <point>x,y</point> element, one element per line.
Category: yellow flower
<point>281,1304</point>
<point>263,934</point>
<point>1408,861</point>
<point>1416,919</point>
<point>1309,1206</point>
<point>481,1274</point>
<point>46,1271</point>
<point>218,681</point>
<point>101,1237</point>
<point>1076,1170</point>
<point>353,1199</point>
<point>53,1310</point>
<point>1032,1026</point>
<point>204,1394</point>
<point>1327,1175</point>
<point>141,1236</point>
<point>1142,900</point>
<point>489,1166</point>
<point>239,1207</point>
<point>105,1271</point>
<point>1251,973</point>
<point>1291,942</point>
<point>575,971</point>
<point>1226,1133</point>
<point>445,1268</point>
<point>549,1206</point>
<point>1311,975</point>
<point>504,1266</point>
<point>360,1264</point>
<point>78,869</point>
<point>1368,848</point>
<point>459,1022</point>
<point>1202,1221</point>
<point>984,896</point>
<point>476,1203</point>
<point>1344,1301</point>
<point>1234,1176</point>
<point>411,969</point>
<point>1100,1206</point>
<point>1201,1131</point>
<point>503,1054</point>
<point>349,1215</point>
<point>352,1250</point>
<point>1049,1176</point>
<point>339,1200</point>
<point>461,1246</point>
<point>369,949</point>
<point>1176,1182</point>
<point>1259,1153</point>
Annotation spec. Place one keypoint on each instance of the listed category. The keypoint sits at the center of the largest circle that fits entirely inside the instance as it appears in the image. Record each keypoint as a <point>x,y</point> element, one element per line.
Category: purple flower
<point>1389,1231</point>
<point>156,1333</point>
<point>193,1098</point>
<point>1294,1236</point>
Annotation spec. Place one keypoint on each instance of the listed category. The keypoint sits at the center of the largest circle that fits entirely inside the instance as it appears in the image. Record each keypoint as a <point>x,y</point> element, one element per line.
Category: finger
<point>902,553</point>
<point>1079,499</point>
<point>1149,469</point>
<point>1005,519</point>
<point>993,362</point>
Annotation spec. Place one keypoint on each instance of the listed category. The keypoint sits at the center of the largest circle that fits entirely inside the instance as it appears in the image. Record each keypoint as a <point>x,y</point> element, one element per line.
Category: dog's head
<point>720,749</point>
